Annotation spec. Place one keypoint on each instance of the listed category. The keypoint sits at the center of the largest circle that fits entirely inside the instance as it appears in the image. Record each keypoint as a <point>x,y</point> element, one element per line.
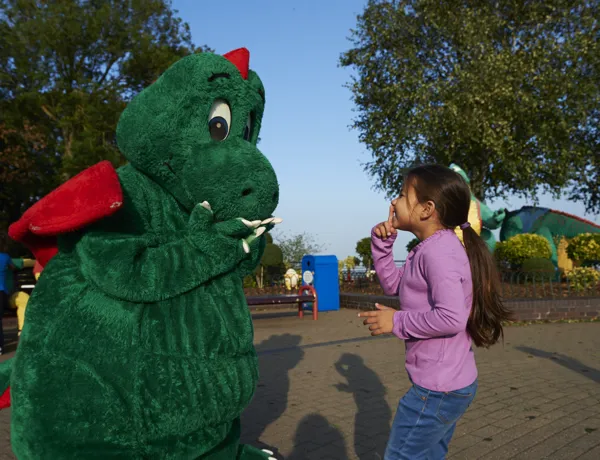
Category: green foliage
<point>271,265</point>
<point>521,247</point>
<point>538,269</point>
<point>269,238</point>
<point>583,278</point>
<point>250,282</point>
<point>272,256</point>
<point>506,89</point>
<point>294,247</point>
<point>67,69</point>
<point>349,263</point>
<point>363,249</point>
<point>411,244</point>
<point>585,248</point>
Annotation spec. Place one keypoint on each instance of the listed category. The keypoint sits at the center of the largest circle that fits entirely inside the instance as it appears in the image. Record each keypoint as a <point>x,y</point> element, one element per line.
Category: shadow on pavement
<point>373,416</point>
<point>271,398</point>
<point>316,439</point>
<point>565,361</point>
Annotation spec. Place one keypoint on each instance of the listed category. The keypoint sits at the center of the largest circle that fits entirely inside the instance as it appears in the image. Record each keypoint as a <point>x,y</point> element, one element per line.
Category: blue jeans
<point>425,422</point>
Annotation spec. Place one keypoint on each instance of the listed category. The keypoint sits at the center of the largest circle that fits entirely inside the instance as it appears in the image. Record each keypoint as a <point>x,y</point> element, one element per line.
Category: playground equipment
<point>555,226</point>
<point>20,284</point>
<point>306,295</point>
<point>481,217</point>
<point>291,279</point>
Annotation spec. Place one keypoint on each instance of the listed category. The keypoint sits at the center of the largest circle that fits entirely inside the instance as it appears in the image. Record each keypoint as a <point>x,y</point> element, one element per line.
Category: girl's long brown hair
<point>452,198</point>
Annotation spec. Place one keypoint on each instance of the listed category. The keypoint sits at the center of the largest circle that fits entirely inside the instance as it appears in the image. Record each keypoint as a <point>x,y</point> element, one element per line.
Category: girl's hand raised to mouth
<point>385,229</point>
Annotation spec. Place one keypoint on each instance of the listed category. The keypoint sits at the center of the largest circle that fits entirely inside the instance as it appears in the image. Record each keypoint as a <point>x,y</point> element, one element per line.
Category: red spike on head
<point>241,59</point>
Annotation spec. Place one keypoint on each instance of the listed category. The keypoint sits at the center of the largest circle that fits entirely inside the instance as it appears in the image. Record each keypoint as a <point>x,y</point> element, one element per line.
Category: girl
<point>449,295</point>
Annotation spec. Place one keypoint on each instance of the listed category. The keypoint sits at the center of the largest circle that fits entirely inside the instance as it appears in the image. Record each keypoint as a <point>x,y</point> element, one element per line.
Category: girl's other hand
<point>381,321</point>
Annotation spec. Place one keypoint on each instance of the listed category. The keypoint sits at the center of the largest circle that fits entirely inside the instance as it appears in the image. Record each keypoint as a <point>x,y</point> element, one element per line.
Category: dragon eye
<point>248,128</point>
<point>219,120</point>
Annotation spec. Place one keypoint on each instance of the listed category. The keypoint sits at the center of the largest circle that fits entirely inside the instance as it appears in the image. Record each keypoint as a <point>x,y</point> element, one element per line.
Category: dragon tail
<point>5,372</point>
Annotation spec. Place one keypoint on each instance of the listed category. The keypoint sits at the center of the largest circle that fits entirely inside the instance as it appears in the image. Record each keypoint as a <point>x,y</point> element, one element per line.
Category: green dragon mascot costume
<point>138,342</point>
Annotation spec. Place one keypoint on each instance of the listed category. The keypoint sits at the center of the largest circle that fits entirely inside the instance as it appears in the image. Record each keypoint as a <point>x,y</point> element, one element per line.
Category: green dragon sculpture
<point>481,217</point>
<point>138,341</point>
<point>551,224</point>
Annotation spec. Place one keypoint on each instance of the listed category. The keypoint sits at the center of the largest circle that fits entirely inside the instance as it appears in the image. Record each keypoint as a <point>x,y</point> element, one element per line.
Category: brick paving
<point>329,391</point>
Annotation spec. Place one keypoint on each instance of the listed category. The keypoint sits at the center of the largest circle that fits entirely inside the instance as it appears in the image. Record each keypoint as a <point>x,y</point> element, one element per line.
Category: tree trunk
<point>260,278</point>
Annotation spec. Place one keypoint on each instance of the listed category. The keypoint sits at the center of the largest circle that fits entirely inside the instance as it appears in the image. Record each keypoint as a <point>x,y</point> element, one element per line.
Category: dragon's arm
<point>154,266</point>
<point>257,249</point>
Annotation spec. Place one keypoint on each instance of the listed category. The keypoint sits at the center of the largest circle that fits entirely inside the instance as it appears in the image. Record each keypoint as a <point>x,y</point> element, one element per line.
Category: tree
<point>363,249</point>
<point>587,188</point>
<point>24,169</point>
<point>67,69</point>
<point>294,247</point>
<point>271,263</point>
<point>412,244</point>
<point>508,89</point>
<point>349,263</point>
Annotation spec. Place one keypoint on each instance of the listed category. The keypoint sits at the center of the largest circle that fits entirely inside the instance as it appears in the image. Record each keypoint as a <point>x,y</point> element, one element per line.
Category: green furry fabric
<point>138,341</point>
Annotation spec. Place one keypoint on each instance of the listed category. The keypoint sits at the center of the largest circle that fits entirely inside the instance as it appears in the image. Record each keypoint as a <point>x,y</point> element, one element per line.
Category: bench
<point>300,299</point>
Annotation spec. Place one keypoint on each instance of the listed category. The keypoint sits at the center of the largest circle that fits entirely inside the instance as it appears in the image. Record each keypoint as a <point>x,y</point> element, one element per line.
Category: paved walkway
<point>329,391</point>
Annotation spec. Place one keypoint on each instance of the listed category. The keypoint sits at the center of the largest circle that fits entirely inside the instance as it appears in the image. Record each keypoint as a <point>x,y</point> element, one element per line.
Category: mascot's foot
<point>273,455</point>
<point>270,454</point>
<point>248,452</point>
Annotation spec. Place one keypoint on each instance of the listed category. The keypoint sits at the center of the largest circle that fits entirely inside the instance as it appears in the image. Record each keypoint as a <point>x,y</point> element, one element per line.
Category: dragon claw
<point>247,223</point>
<point>269,453</point>
<point>206,205</point>
<point>245,246</point>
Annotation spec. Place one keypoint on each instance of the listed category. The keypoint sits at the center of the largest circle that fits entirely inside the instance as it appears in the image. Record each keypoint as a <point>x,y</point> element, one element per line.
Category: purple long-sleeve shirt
<point>436,292</point>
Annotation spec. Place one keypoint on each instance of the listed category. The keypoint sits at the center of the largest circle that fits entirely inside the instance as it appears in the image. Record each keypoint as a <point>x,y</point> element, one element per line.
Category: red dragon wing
<point>86,198</point>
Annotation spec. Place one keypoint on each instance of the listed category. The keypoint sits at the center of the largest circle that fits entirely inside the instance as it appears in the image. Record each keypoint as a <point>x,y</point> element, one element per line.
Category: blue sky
<point>295,47</point>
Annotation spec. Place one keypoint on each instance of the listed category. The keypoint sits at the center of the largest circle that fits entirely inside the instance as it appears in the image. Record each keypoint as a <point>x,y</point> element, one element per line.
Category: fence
<point>514,285</point>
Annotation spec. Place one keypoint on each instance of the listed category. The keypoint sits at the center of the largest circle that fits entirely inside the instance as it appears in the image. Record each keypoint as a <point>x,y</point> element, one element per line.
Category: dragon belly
<point>73,373</point>
<point>198,367</point>
<point>101,378</point>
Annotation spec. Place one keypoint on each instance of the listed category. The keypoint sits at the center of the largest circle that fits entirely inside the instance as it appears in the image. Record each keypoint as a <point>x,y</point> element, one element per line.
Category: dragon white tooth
<point>260,231</point>
<point>267,221</point>
<point>247,223</point>
<point>256,223</point>
<point>277,220</point>
<point>245,246</point>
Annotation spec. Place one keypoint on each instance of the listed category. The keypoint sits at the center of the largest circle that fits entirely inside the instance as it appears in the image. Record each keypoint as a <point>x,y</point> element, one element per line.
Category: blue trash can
<point>321,272</point>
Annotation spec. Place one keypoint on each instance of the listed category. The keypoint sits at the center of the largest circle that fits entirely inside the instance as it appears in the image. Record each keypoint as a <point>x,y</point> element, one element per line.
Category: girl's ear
<point>428,208</point>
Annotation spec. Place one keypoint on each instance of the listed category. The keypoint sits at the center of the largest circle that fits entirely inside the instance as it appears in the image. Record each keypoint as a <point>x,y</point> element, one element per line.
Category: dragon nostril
<point>275,196</point>
<point>247,192</point>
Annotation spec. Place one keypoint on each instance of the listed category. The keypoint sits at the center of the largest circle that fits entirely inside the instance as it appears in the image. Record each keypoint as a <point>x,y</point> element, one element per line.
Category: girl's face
<point>405,210</point>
